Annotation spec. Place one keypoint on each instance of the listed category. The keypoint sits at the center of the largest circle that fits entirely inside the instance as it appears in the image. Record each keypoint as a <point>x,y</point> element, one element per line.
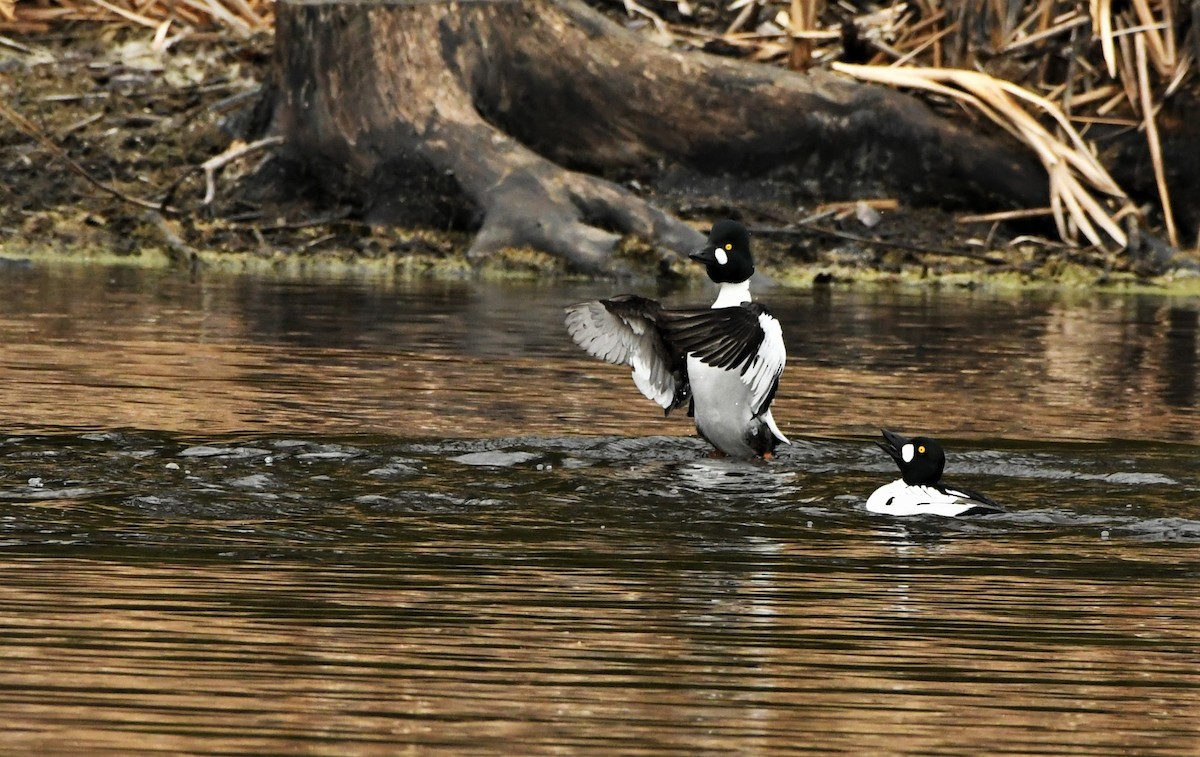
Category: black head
<point>920,459</point>
<point>726,253</point>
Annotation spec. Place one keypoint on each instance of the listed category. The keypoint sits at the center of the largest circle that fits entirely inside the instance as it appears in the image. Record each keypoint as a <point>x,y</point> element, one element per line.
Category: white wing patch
<point>622,340</point>
<point>764,369</point>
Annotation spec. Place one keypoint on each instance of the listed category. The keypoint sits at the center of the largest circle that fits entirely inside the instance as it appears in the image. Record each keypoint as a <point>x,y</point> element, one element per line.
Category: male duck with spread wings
<point>724,361</point>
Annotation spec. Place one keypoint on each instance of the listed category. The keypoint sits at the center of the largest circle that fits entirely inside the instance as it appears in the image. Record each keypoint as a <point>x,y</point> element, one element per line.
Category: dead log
<point>518,104</point>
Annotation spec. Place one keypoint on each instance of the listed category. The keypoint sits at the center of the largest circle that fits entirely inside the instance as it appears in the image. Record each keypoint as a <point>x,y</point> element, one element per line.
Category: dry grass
<point>1076,177</point>
<point>168,19</point>
<point>1047,71</point>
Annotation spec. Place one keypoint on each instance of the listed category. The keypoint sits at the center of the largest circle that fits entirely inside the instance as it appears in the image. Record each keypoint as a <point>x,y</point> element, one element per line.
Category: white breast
<point>723,407</point>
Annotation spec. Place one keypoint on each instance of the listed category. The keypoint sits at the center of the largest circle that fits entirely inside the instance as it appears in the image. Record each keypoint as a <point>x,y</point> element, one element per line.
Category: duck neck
<point>732,295</point>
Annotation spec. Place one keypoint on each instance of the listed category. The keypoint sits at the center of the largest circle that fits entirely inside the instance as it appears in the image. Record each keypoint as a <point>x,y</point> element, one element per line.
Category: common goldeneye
<point>724,361</point>
<point>919,490</point>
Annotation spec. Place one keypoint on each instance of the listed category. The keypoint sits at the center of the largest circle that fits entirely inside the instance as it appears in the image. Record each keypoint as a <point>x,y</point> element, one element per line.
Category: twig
<point>74,98</point>
<point>80,124</point>
<point>882,203</point>
<point>26,127</point>
<point>256,21</point>
<point>221,13</point>
<point>1102,28</point>
<point>1157,49</point>
<point>217,162</point>
<point>1111,104</point>
<point>932,39</point>
<point>1112,121</point>
<point>1033,39</point>
<point>1164,194</point>
<point>136,18</point>
<point>932,20</point>
<point>318,241</point>
<point>1128,75</point>
<point>801,19</point>
<point>1065,164</point>
<point>1181,71</point>
<point>1172,53</point>
<point>9,42</point>
<point>742,17</point>
<point>1067,95</point>
<point>1005,215</point>
<point>1038,16</point>
<point>1099,93</point>
<point>178,250</point>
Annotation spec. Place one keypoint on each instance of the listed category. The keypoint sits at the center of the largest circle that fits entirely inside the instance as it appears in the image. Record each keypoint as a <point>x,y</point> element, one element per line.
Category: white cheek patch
<point>906,453</point>
<point>722,258</point>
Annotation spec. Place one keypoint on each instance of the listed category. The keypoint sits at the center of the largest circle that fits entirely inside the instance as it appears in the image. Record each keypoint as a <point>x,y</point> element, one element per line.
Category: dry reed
<point>1047,71</point>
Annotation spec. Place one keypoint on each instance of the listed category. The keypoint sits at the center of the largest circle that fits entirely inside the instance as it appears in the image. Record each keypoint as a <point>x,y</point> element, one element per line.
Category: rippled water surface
<point>240,515</point>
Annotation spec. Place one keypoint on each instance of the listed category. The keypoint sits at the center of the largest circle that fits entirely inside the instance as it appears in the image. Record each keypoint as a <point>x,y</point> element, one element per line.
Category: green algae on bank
<point>1070,277</point>
<point>639,265</point>
<point>333,264</point>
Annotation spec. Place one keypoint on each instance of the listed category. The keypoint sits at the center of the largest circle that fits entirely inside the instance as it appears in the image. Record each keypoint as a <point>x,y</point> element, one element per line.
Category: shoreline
<point>144,121</point>
<point>523,267</point>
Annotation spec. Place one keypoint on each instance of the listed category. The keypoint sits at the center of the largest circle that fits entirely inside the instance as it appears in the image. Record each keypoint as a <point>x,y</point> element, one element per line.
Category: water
<point>247,516</point>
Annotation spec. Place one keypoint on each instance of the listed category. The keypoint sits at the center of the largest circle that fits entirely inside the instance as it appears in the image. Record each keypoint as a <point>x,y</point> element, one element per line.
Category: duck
<point>920,490</point>
<point>723,362</point>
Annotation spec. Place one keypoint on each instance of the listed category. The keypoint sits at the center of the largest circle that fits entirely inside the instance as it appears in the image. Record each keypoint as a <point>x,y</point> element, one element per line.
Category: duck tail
<point>774,429</point>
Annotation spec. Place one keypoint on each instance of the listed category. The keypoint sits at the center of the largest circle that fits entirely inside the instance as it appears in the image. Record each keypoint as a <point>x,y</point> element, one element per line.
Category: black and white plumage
<point>919,490</point>
<point>627,330</point>
<point>724,361</point>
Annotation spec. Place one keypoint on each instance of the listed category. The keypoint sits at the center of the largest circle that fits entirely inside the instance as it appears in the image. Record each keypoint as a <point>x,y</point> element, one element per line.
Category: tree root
<point>570,215</point>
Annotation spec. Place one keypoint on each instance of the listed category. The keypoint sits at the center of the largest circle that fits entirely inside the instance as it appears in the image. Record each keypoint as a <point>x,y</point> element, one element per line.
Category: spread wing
<point>628,330</point>
<point>745,338</point>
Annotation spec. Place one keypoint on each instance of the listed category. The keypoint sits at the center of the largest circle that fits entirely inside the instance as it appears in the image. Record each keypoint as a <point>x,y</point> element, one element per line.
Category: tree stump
<point>519,103</point>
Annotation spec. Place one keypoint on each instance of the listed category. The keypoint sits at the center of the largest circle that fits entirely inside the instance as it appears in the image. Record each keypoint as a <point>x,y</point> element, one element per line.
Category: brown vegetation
<point>1066,78</point>
<point>1099,93</point>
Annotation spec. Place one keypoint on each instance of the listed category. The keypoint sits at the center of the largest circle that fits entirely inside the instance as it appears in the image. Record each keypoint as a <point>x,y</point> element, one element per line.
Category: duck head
<point>726,253</point>
<point>920,459</point>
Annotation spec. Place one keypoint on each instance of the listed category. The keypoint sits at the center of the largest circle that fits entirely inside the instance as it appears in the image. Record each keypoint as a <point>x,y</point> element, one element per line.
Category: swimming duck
<point>724,361</point>
<point>919,490</point>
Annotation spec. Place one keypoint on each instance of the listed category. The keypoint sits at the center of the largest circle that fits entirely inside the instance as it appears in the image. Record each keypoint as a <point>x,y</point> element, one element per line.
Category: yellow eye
<point>729,245</point>
<point>921,449</point>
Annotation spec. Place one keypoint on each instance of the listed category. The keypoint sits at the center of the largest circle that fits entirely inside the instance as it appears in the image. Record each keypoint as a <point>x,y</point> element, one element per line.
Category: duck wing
<point>744,338</point>
<point>629,330</point>
<point>976,503</point>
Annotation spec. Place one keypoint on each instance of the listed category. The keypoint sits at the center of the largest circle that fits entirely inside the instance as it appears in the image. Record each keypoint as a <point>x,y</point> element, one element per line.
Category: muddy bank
<point>138,125</point>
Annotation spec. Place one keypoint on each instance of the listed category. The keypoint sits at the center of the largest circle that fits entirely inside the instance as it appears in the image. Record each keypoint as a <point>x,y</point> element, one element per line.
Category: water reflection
<point>240,515</point>
<point>587,594</point>
<point>1020,367</point>
<point>126,348</point>
<point>1179,359</point>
